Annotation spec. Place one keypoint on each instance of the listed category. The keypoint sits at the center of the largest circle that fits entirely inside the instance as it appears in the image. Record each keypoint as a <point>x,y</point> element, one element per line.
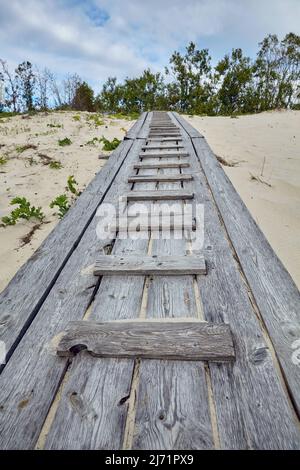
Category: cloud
<point>98,38</point>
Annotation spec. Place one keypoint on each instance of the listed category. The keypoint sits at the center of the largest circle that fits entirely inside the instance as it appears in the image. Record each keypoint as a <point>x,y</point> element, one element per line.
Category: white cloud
<point>64,35</point>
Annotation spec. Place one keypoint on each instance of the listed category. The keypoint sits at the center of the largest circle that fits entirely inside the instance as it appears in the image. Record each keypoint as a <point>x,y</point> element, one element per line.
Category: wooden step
<point>158,165</point>
<point>159,178</point>
<point>162,147</point>
<point>142,223</point>
<point>156,195</point>
<point>149,265</point>
<point>182,339</point>
<point>163,155</point>
<point>164,139</point>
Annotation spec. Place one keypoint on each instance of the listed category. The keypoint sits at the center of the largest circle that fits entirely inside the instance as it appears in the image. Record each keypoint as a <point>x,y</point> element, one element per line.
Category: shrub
<point>24,211</point>
<point>71,185</point>
<point>64,142</point>
<point>110,145</point>
<point>3,160</point>
<point>55,165</point>
<point>62,203</point>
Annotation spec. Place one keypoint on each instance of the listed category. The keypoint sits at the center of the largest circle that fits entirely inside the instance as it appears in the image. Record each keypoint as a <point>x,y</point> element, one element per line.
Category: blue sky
<point>101,38</point>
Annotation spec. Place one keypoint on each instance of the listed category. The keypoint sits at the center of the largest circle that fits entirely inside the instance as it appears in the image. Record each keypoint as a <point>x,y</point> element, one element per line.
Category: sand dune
<point>265,152</point>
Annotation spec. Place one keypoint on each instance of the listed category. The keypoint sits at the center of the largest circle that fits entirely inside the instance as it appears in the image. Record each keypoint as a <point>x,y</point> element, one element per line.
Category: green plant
<point>110,145</point>
<point>71,185</point>
<point>62,203</point>
<point>96,119</point>
<point>22,148</point>
<point>54,125</point>
<point>64,142</point>
<point>55,165</point>
<point>93,141</point>
<point>3,160</point>
<point>76,117</point>
<point>24,211</point>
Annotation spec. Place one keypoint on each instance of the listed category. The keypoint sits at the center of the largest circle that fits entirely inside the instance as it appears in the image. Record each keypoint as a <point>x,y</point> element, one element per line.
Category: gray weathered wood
<point>192,132</point>
<point>248,414</point>
<point>141,223</point>
<point>163,155</point>
<point>158,178</point>
<point>163,195</point>
<point>162,147</point>
<point>175,340</point>
<point>164,139</point>
<point>32,376</point>
<point>135,130</point>
<point>21,299</point>
<point>149,265</point>
<point>159,165</point>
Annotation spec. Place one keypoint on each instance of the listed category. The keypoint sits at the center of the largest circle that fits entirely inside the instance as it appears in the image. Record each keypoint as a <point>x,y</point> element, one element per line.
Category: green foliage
<point>71,185</point>
<point>127,117</point>
<point>93,141</point>
<point>64,142</point>
<point>76,117</point>
<point>96,119</point>
<point>26,81</point>
<point>84,98</point>
<point>22,148</point>
<point>24,211</point>
<point>55,165</point>
<point>62,203</point>
<point>7,114</point>
<point>3,160</point>
<point>54,125</point>
<point>110,144</point>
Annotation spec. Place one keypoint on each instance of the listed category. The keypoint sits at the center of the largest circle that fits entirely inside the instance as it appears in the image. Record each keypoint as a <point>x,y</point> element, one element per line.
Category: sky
<point>101,38</point>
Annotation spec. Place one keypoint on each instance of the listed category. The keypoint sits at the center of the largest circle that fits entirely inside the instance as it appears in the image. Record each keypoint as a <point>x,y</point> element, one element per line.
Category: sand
<point>264,146</point>
<point>28,174</point>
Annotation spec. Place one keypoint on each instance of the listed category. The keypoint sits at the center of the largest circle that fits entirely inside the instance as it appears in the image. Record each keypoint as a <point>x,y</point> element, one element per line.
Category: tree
<point>43,86</point>
<point>84,98</point>
<point>235,74</point>
<point>26,79</point>
<point>192,79</point>
<point>11,87</point>
<point>110,96</point>
<point>70,86</point>
<point>278,71</point>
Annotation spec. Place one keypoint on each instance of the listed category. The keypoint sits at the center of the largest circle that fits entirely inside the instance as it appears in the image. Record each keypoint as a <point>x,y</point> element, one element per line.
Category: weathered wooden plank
<point>141,223</point>
<point>163,155</point>
<point>159,165</point>
<point>144,130</point>
<point>32,376</point>
<point>164,139</point>
<point>275,293</point>
<point>252,407</point>
<point>21,299</point>
<point>159,195</point>
<point>101,385</point>
<point>162,147</point>
<point>172,397</point>
<point>192,132</point>
<point>135,130</point>
<point>159,178</point>
<point>149,265</point>
<point>175,340</point>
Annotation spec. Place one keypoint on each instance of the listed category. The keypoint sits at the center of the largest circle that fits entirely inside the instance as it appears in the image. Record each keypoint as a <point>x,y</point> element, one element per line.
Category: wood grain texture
<point>158,165</point>
<point>163,155</point>
<point>172,399</point>
<point>135,130</point>
<point>159,178</point>
<point>162,147</point>
<point>149,265</point>
<point>31,378</point>
<point>252,406</point>
<point>163,195</point>
<point>189,341</point>
<point>164,223</point>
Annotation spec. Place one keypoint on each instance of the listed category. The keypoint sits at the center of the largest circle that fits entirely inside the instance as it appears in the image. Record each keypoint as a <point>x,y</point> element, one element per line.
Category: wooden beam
<point>156,195</point>
<point>149,265</point>
<point>165,178</point>
<point>173,340</point>
<point>164,155</point>
<point>156,223</point>
<point>163,147</point>
<point>158,165</point>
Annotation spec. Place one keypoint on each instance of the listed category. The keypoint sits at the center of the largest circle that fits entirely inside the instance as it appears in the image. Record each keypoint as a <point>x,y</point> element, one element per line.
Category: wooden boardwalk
<point>86,402</point>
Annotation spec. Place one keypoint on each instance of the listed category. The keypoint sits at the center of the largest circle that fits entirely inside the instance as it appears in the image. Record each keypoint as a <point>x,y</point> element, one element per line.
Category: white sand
<point>273,138</point>
<point>21,176</point>
<point>248,140</point>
